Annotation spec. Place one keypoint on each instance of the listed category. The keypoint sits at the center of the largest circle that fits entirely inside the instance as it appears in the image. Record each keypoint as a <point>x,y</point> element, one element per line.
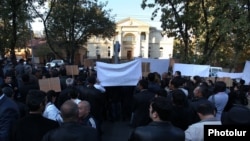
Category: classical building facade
<point>136,39</point>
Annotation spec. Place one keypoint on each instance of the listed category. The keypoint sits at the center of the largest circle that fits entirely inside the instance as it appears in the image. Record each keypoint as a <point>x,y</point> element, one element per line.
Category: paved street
<point>116,131</point>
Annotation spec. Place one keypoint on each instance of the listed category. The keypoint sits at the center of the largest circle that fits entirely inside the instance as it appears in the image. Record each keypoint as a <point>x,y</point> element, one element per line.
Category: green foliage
<point>70,23</point>
<point>13,28</point>
<point>204,28</point>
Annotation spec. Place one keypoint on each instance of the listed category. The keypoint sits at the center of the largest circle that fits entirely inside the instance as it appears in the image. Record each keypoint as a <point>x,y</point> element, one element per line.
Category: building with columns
<point>136,39</point>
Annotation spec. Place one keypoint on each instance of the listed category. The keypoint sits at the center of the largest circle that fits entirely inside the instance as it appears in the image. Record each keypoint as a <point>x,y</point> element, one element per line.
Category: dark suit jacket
<point>64,96</point>
<point>141,102</point>
<point>32,128</point>
<point>72,131</point>
<point>9,114</point>
<point>24,90</point>
<point>96,100</point>
<point>157,131</point>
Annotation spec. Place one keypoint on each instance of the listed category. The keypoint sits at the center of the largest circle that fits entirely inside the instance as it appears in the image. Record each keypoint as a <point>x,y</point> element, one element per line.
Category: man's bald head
<point>69,111</point>
<point>85,104</point>
<point>84,108</point>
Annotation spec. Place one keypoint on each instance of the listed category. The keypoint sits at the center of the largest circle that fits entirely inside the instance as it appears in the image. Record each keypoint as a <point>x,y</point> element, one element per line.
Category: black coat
<point>63,96</point>
<point>24,90</point>
<point>72,131</point>
<point>96,100</point>
<point>141,102</point>
<point>9,114</point>
<point>32,128</point>
<point>157,131</point>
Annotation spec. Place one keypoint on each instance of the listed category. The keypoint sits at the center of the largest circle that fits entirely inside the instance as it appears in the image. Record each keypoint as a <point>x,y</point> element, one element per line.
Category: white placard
<point>246,73</point>
<point>192,69</point>
<point>125,74</point>
<point>230,75</point>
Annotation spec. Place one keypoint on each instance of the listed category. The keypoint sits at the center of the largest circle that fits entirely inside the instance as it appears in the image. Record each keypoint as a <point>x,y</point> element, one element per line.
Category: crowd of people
<point>161,106</point>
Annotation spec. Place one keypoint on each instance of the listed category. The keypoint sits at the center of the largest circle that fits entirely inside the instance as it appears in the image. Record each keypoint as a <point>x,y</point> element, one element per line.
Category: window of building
<point>142,51</point>
<point>149,52</point>
<point>161,51</point>
<point>143,36</point>
<point>108,51</point>
<point>129,38</point>
<point>97,50</point>
<point>153,40</point>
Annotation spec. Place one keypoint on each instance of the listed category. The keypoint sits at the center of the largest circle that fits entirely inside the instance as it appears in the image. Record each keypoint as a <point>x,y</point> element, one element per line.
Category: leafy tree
<point>205,27</point>
<point>13,27</point>
<point>69,24</point>
<point>175,19</point>
<point>229,29</point>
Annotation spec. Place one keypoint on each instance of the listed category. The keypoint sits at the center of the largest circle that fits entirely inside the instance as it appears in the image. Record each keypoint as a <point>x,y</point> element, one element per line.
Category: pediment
<point>131,22</point>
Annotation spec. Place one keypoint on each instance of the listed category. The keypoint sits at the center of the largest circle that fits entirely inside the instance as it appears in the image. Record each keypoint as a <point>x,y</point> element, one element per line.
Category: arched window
<point>149,52</point>
<point>129,39</point>
<point>143,36</point>
<point>97,50</point>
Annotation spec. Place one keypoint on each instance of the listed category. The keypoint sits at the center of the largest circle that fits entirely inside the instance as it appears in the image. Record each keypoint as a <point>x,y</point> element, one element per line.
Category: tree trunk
<point>13,39</point>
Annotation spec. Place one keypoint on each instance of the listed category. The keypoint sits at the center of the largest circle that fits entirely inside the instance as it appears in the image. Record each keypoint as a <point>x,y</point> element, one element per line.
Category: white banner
<point>230,75</point>
<point>192,70</point>
<point>246,73</point>
<point>125,74</point>
<point>156,65</point>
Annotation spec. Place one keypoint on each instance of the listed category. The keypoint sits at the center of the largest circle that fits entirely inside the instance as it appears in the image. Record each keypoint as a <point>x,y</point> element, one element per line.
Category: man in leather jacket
<point>160,129</point>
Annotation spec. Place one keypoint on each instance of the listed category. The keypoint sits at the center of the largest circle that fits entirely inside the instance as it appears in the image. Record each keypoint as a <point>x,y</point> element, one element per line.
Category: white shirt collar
<point>1,97</point>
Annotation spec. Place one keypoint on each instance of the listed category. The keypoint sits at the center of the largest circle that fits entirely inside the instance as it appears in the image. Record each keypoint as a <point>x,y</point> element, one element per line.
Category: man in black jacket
<point>71,130</point>
<point>160,129</point>
<point>33,126</point>
<point>141,102</point>
<point>9,114</point>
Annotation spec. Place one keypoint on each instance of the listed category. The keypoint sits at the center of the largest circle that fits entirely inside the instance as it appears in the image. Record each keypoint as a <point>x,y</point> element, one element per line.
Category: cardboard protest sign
<point>50,84</point>
<point>156,65</point>
<point>211,78</point>
<point>227,80</point>
<point>72,70</point>
<point>192,69</point>
<point>88,63</point>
